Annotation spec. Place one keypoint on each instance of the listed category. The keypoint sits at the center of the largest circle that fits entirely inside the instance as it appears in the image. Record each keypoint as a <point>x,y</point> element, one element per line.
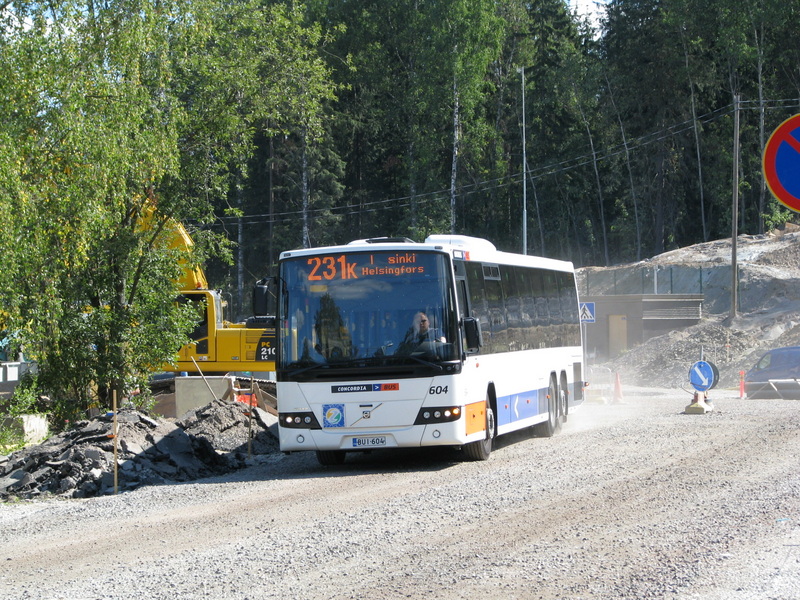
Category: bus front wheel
<point>330,458</point>
<point>482,449</point>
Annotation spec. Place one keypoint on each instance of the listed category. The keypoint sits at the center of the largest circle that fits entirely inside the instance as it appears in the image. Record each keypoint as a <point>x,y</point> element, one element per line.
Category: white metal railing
<point>784,389</point>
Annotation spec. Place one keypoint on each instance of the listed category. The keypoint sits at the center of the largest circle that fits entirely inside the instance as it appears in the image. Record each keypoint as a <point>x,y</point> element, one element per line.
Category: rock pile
<point>665,360</point>
<point>227,427</point>
<point>79,463</point>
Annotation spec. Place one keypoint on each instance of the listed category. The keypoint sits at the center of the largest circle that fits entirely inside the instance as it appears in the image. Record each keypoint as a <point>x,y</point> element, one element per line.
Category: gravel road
<point>630,500</point>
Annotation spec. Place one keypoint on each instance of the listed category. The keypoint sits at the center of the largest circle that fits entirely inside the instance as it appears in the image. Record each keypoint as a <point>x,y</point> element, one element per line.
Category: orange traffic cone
<point>617,391</point>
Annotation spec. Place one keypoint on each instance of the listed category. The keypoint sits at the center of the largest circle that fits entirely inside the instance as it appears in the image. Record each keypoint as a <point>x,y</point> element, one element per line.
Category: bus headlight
<point>299,420</point>
<point>438,414</point>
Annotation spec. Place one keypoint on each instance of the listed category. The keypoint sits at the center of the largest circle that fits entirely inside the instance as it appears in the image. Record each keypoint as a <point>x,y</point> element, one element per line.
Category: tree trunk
<point>542,250</point>
<point>696,129</point>
<point>634,199</point>
<point>758,33</point>
<point>659,220</point>
<point>239,307</point>
<point>412,188</point>
<point>306,195</point>
<point>600,201</point>
<point>454,163</point>
<point>271,203</point>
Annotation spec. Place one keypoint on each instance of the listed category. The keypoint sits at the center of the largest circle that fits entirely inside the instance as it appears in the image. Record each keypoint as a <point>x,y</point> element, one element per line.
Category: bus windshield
<point>366,309</point>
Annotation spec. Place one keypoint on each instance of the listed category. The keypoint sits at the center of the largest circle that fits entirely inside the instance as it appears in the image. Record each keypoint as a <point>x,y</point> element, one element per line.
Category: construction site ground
<point>630,500</point>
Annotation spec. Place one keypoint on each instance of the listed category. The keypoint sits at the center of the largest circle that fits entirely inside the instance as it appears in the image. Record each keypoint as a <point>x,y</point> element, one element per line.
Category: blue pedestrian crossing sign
<point>587,312</point>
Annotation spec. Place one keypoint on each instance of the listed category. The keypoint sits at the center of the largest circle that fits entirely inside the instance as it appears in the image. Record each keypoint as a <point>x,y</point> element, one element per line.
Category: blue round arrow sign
<point>703,375</point>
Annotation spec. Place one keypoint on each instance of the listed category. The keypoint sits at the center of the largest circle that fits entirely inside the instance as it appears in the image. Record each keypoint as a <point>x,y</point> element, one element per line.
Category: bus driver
<point>419,333</point>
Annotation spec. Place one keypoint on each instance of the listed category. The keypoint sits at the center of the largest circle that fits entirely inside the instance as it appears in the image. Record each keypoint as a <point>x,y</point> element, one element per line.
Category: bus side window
<point>478,307</point>
<point>497,316</point>
<point>461,289</point>
<point>527,309</point>
<point>470,335</point>
<point>569,307</point>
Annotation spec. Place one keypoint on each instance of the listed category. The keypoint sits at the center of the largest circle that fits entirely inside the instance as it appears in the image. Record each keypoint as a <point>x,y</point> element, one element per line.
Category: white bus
<point>387,343</point>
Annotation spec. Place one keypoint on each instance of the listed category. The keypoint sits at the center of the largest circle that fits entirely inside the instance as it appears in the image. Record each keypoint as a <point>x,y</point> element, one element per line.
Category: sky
<point>592,7</point>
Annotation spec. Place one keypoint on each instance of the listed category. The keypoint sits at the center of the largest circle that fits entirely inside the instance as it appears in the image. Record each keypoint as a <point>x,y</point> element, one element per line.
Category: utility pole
<point>524,171</point>
<point>735,208</point>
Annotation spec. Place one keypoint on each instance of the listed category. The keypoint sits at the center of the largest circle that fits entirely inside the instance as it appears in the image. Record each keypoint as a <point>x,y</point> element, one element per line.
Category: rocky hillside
<point>768,315</point>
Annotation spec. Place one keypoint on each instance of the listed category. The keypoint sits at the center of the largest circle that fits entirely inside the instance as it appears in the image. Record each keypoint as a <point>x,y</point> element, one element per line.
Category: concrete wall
<point>624,321</point>
<point>33,427</point>
<point>193,392</point>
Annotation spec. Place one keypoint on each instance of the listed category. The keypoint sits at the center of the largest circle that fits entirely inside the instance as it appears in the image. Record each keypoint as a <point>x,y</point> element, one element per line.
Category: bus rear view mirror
<point>264,298</point>
<point>472,334</point>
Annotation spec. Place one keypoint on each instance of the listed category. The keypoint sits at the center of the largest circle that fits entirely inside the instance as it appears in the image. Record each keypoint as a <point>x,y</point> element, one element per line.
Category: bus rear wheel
<point>553,422</point>
<point>330,458</point>
<point>482,449</point>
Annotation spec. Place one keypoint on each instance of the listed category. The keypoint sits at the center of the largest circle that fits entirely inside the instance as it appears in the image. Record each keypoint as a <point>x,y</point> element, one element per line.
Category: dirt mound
<point>665,360</point>
<point>78,463</point>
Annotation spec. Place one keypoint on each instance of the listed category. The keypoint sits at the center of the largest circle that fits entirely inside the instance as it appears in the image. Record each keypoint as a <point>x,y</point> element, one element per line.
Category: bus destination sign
<point>363,265</point>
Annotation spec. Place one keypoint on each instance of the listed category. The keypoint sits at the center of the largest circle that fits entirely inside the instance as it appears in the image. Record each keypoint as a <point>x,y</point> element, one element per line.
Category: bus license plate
<point>369,442</point>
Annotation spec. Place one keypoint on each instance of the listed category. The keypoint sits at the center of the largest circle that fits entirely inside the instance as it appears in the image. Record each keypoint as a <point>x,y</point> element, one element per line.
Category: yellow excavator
<point>219,346</point>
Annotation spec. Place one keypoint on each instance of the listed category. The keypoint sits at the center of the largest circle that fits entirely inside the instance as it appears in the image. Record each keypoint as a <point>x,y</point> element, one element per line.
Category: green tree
<point>87,283</point>
<point>644,60</point>
<point>548,44</point>
<point>115,108</point>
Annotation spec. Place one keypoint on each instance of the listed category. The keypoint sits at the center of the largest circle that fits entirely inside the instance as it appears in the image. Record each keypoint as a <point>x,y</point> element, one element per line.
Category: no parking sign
<point>781,163</point>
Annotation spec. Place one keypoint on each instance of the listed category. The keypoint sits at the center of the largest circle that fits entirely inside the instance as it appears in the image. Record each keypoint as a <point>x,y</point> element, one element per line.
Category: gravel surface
<point>629,500</point>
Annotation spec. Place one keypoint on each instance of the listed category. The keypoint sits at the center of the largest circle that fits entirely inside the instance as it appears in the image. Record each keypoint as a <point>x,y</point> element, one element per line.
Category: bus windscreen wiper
<point>422,361</point>
<point>302,367</point>
<point>375,361</point>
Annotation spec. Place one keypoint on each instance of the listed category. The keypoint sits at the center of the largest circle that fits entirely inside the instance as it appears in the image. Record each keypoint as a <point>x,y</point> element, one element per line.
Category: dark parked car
<point>775,375</point>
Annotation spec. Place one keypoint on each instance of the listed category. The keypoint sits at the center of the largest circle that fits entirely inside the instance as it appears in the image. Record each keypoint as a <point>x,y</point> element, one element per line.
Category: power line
<point>512,179</point>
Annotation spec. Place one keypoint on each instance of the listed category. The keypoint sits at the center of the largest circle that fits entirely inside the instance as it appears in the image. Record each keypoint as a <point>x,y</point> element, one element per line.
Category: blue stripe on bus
<point>521,406</point>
